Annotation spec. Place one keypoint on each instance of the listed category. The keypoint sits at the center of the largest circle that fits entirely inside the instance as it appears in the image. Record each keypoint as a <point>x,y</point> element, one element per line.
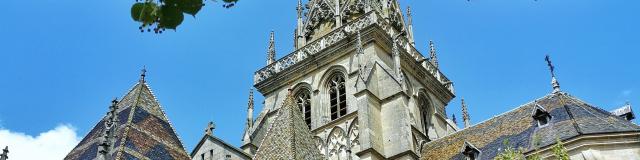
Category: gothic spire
<point>432,53</point>
<point>465,115</point>
<point>554,82</point>
<point>271,52</point>
<point>410,26</point>
<point>5,153</point>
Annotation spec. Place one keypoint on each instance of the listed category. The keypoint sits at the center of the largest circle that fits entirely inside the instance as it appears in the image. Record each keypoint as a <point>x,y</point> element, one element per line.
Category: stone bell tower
<point>363,89</point>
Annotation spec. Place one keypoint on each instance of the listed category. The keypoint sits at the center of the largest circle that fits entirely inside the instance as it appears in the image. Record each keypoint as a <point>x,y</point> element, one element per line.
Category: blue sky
<point>63,61</point>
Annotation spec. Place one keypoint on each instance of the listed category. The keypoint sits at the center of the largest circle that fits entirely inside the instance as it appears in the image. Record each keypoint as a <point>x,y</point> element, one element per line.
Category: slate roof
<point>143,131</point>
<point>571,117</point>
<point>288,137</point>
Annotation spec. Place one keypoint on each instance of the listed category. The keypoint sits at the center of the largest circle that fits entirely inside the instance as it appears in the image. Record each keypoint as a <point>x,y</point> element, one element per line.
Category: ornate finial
<point>271,52</point>
<point>359,51</point>
<point>5,153</point>
<point>465,114</point>
<point>299,8</point>
<point>554,82</point>
<point>112,114</point>
<point>250,103</point>
<point>409,19</point>
<point>109,130</point>
<point>453,118</point>
<point>432,53</point>
<point>143,73</point>
<point>250,110</point>
<point>209,130</point>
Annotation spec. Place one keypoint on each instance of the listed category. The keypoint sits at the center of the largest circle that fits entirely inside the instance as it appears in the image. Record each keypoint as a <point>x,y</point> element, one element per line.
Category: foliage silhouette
<point>159,15</point>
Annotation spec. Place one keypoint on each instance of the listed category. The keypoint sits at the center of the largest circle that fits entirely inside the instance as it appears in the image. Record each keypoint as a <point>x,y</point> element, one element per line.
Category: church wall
<point>212,150</point>
<point>599,147</point>
<point>384,112</point>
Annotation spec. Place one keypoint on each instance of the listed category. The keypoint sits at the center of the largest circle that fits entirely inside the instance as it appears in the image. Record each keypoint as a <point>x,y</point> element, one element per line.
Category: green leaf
<point>144,12</point>
<point>171,17</point>
<point>191,7</point>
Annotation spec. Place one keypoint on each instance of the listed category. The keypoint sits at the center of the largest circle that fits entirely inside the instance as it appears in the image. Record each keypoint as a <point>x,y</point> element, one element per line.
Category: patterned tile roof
<point>143,131</point>
<point>288,136</point>
<point>570,117</point>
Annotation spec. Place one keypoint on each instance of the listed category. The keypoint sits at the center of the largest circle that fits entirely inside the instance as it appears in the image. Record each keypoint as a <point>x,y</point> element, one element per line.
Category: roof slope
<point>288,136</point>
<point>143,131</point>
<point>571,117</point>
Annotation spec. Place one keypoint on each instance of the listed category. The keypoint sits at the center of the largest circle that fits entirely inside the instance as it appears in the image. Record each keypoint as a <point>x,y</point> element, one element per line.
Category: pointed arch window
<point>338,96</point>
<point>303,99</point>
<point>425,112</point>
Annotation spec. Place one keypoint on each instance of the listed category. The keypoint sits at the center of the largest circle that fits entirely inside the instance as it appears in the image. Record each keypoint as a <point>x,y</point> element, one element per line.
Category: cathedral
<point>355,87</point>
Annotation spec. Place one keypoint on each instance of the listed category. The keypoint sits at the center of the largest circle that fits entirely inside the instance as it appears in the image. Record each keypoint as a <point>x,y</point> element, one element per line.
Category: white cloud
<point>52,144</point>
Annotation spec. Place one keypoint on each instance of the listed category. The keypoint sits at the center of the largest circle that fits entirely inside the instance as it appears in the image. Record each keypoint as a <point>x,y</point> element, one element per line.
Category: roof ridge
<point>155,99</point>
<point>607,113</point>
<point>126,128</point>
<point>504,113</point>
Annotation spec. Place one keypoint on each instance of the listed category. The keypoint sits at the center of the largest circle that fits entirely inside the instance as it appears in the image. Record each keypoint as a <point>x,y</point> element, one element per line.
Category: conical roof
<point>143,131</point>
<point>288,136</point>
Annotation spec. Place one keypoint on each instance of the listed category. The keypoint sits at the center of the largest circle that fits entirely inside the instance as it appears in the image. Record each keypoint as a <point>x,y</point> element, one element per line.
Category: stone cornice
<point>332,46</point>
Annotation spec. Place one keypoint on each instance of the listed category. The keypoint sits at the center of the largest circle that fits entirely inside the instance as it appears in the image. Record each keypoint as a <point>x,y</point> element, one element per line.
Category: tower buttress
<point>271,51</point>
<point>465,115</point>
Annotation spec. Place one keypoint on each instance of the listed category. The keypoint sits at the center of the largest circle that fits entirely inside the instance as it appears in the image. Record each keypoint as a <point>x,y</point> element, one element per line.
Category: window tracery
<point>425,112</point>
<point>303,100</point>
<point>337,144</point>
<point>337,96</point>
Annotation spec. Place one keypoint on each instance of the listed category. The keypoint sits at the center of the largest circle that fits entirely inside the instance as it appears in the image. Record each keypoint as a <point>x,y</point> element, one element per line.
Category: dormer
<point>541,115</point>
<point>470,152</point>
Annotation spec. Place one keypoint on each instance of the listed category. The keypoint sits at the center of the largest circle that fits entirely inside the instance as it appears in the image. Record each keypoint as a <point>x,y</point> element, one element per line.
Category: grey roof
<point>570,117</point>
<point>288,137</point>
<point>143,131</point>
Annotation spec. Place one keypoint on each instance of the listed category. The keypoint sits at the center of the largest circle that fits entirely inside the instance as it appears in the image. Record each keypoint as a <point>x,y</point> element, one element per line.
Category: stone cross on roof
<point>143,73</point>
<point>210,127</point>
<point>554,82</point>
